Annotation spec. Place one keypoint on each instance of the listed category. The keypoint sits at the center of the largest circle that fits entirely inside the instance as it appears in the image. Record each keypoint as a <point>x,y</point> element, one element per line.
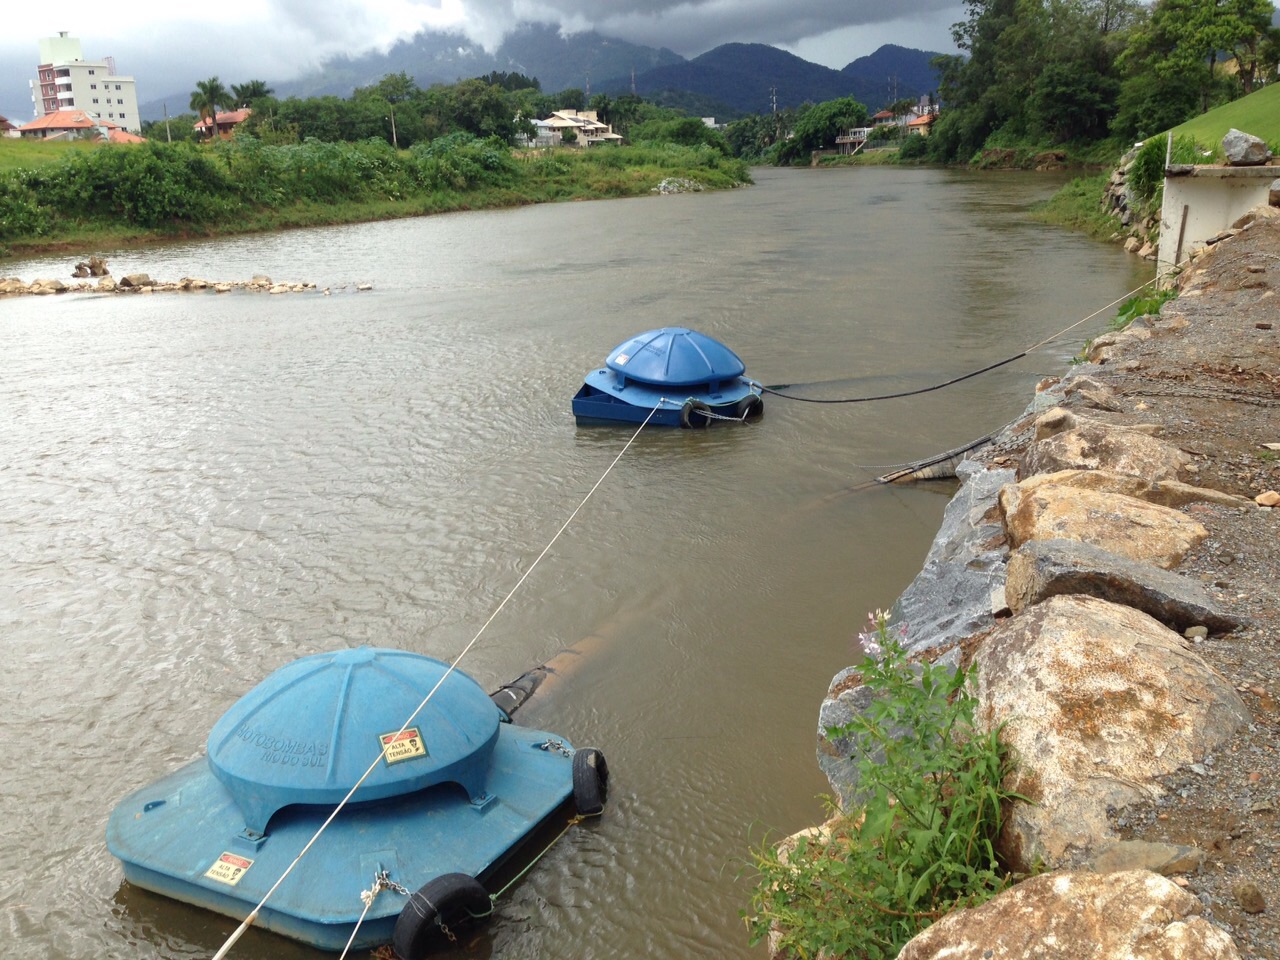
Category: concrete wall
<point>1201,202</point>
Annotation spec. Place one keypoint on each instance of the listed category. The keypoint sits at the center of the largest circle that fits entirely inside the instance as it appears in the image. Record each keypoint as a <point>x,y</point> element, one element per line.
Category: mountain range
<point>732,80</point>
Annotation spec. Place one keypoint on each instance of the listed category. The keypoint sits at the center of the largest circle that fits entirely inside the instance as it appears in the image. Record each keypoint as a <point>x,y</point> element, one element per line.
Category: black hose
<point>892,396</point>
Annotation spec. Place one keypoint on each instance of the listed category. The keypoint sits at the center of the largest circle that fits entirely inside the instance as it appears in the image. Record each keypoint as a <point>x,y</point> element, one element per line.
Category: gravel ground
<point>1212,384</point>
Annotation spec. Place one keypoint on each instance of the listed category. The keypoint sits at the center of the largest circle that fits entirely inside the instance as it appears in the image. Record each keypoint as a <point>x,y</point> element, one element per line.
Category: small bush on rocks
<point>920,844</point>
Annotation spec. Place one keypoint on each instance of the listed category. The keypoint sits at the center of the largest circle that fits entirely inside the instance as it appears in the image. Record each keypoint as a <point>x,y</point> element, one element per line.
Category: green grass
<point>1076,205</point>
<point>134,195</point>
<point>1258,114</point>
<point>18,154</point>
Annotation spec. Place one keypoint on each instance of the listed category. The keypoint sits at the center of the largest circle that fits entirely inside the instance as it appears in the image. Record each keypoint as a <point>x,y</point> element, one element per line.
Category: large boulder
<point>1135,915</point>
<point>1244,149</point>
<point>1095,701</point>
<point>951,597</point>
<point>1041,569</point>
<point>1065,441</point>
<point>45,286</point>
<point>1107,347</point>
<point>1167,493</point>
<point>1124,525</point>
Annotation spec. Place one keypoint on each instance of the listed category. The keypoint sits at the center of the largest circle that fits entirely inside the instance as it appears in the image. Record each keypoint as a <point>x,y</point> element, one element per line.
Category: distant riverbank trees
<point>1080,71</point>
<point>1088,75</point>
<point>397,110</point>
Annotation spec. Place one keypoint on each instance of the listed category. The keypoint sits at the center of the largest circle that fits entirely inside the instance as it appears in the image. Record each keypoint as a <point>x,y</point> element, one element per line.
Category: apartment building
<point>65,80</point>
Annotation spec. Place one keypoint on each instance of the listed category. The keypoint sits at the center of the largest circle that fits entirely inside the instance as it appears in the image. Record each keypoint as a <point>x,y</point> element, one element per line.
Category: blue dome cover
<point>308,731</point>
<point>674,356</point>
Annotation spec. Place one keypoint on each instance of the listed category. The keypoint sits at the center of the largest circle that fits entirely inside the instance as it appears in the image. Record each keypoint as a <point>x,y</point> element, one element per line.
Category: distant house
<point>882,117</point>
<point>585,124</point>
<point>76,124</point>
<point>7,129</point>
<point>227,122</point>
<point>921,124</point>
<point>852,140</point>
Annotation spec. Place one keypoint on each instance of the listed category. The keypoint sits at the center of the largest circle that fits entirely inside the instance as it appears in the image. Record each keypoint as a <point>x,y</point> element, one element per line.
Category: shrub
<point>1146,176</point>
<point>1142,305</point>
<point>913,148</point>
<point>921,842</point>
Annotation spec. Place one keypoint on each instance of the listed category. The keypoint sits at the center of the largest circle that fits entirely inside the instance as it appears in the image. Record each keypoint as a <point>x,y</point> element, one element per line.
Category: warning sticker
<point>621,358</point>
<point>228,869</point>
<point>402,746</point>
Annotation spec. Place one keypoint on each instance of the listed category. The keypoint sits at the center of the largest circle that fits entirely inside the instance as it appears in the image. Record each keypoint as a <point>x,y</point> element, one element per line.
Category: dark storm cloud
<point>278,40</point>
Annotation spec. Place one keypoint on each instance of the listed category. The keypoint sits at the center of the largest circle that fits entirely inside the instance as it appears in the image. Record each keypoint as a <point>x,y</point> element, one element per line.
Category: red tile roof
<point>228,118</point>
<point>61,121</point>
<point>67,120</point>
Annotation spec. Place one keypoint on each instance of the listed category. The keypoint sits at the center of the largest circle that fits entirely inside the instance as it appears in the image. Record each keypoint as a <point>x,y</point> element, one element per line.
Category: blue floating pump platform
<point>682,377</point>
<point>453,795</point>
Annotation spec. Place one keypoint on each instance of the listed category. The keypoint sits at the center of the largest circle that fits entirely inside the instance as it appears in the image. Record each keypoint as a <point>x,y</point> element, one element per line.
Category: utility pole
<point>167,135</point>
<point>394,142</point>
<point>633,80</point>
<point>588,103</point>
<point>773,98</point>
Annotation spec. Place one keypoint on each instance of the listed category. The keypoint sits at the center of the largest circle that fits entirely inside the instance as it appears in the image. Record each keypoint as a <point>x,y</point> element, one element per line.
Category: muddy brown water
<point>197,488</point>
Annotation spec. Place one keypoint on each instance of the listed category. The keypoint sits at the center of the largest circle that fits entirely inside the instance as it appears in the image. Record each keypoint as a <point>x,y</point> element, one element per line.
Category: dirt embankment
<point>1212,385</point>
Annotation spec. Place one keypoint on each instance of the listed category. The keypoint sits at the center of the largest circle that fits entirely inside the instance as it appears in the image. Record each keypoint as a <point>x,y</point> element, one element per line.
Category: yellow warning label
<point>228,869</point>
<point>402,746</point>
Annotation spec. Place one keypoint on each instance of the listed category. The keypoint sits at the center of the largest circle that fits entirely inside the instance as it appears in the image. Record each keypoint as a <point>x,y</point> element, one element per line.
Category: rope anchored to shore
<point>776,389</point>
<point>253,914</point>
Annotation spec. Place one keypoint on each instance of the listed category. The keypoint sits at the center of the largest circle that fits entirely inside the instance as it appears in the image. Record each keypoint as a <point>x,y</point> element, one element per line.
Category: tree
<point>393,88</point>
<point>571,98</point>
<point>1180,42</point>
<point>819,125</point>
<point>243,94</point>
<point>207,97</point>
<point>687,131</point>
<point>511,81</point>
<point>603,107</point>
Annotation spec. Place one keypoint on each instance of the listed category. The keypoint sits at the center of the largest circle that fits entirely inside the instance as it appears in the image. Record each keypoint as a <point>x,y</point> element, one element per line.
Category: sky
<point>168,46</point>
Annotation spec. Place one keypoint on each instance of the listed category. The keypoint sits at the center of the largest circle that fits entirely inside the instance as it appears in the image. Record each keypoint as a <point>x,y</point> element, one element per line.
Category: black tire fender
<point>749,407</point>
<point>695,414</point>
<point>445,901</point>
<point>590,781</point>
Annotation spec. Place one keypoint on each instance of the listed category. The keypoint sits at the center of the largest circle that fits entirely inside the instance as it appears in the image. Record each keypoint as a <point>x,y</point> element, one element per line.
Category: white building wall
<point>60,49</point>
<point>65,81</point>
<point>1201,203</point>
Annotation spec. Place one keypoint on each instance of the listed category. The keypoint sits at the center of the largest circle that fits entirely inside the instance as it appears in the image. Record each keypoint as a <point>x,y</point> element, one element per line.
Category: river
<point>197,488</point>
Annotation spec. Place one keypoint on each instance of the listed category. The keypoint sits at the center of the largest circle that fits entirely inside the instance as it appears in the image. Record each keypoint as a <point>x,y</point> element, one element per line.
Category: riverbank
<point>124,197</point>
<point>1112,567</point>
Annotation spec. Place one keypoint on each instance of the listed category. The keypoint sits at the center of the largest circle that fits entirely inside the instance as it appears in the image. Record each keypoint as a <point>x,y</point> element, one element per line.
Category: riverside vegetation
<point>921,842</point>
<point>114,194</point>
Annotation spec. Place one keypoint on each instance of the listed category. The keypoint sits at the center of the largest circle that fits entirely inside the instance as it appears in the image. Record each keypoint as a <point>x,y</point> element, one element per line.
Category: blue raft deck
<point>671,376</point>
<point>456,792</point>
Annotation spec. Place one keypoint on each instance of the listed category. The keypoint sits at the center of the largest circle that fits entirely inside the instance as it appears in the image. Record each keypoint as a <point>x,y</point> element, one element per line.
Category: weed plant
<point>920,843</point>
<point>1141,305</point>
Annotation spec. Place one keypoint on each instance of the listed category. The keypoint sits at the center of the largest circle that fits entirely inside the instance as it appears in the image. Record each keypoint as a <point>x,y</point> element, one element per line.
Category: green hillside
<point>18,154</point>
<point>1258,114</point>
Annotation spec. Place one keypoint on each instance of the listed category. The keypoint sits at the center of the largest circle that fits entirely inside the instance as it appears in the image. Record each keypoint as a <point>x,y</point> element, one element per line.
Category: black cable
<point>894,396</point>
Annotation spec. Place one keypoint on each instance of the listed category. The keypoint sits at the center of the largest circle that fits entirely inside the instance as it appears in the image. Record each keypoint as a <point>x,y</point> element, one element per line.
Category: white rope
<point>253,914</point>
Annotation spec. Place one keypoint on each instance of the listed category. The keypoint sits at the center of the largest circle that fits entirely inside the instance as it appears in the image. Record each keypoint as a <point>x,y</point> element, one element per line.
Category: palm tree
<point>245,93</point>
<point>208,96</point>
